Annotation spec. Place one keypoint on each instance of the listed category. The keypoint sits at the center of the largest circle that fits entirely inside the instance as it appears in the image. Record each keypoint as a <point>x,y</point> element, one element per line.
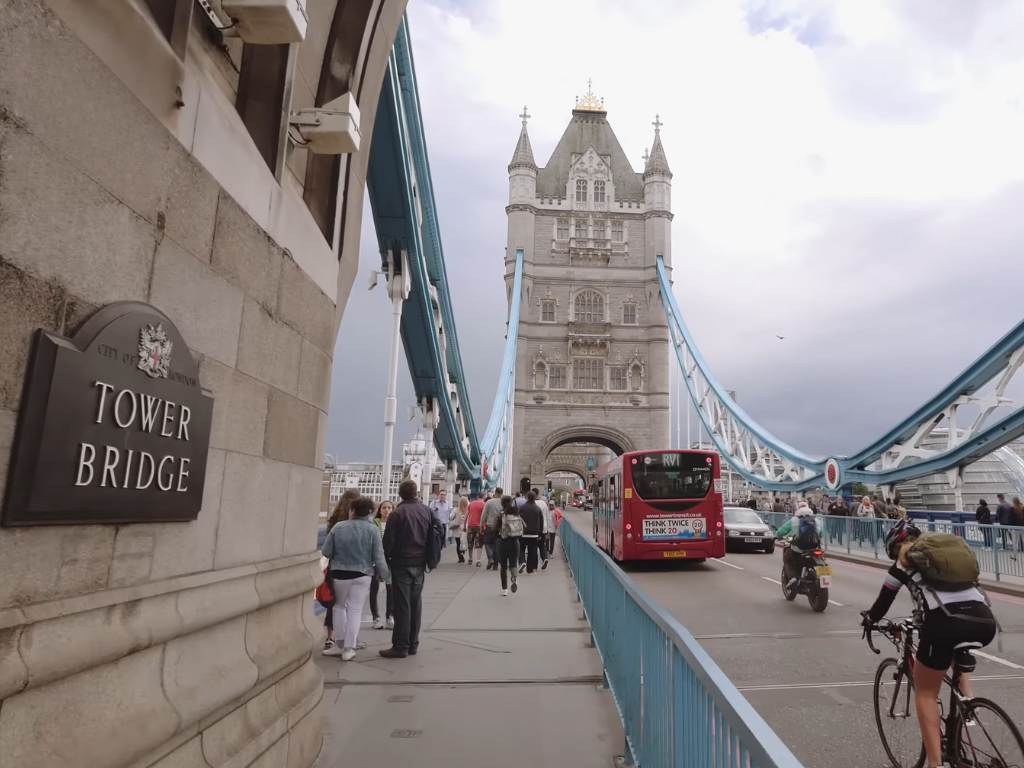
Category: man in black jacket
<point>405,549</point>
<point>533,527</point>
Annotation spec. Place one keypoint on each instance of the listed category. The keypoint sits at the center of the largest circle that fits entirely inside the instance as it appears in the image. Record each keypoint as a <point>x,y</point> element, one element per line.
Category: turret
<point>658,200</point>
<point>522,170</point>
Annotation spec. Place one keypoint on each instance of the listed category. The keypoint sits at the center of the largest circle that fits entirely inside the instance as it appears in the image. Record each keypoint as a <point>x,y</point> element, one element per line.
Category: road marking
<point>726,562</point>
<point>836,602</point>
<point>853,684</point>
<point>998,660</point>
<point>773,581</point>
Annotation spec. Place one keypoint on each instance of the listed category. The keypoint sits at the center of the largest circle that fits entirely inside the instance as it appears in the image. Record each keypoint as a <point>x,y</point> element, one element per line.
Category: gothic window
<point>547,311</point>
<point>563,230</point>
<point>589,307</point>
<point>540,376</point>
<point>617,377</point>
<point>587,373</point>
<point>629,313</point>
<point>581,190</point>
<point>617,231</point>
<point>636,375</point>
<point>598,191</point>
<point>600,229</point>
<point>556,377</point>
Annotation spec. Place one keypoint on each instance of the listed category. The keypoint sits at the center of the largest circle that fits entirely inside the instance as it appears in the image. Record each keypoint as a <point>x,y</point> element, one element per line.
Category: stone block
<point>206,308</point>
<point>207,669</point>
<point>181,548</point>
<point>252,510</point>
<point>305,307</point>
<point>275,757</point>
<point>133,555</point>
<point>291,430</point>
<point>282,583</point>
<point>242,735</point>
<point>204,606</point>
<point>52,562</point>
<point>190,207</point>
<point>315,376</point>
<point>83,114</point>
<point>245,254</point>
<point>188,755</point>
<point>239,409</point>
<point>269,350</point>
<point>107,717</point>
<point>306,738</point>
<point>303,510</point>
<point>101,250</point>
<point>275,636</point>
<point>13,670</point>
<point>293,689</point>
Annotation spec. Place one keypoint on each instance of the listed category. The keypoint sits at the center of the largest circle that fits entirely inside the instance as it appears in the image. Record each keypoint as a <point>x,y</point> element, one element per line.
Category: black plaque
<point>114,426</point>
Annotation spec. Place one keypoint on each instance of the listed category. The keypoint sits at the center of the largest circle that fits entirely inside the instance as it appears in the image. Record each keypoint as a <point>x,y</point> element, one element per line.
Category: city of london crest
<point>154,351</point>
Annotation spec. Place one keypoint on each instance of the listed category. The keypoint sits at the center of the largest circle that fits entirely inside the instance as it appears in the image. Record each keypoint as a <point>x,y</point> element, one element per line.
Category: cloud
<point>848,174</point>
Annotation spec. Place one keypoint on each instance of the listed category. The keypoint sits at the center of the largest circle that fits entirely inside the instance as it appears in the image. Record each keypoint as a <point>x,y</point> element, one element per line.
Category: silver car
<point>744,529</point>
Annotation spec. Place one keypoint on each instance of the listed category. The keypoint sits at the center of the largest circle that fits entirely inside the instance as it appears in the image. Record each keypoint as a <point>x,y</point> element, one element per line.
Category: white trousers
<point>349,599</point>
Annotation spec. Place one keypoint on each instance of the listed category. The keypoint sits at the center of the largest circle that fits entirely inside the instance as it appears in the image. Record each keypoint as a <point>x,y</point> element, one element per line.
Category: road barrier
<point>678,708</point>
<point>999,548</point>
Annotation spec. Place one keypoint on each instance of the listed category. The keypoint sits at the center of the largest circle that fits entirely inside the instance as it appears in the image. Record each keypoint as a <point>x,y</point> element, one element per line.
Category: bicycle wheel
<point>991,740</point>
<point>896,717</point>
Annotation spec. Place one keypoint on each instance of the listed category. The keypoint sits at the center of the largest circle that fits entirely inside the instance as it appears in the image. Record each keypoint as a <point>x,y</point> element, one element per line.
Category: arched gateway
<point>592,344</point>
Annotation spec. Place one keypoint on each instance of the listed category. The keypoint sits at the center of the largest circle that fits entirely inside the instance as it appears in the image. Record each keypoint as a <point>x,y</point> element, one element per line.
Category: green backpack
<point>944,561</point>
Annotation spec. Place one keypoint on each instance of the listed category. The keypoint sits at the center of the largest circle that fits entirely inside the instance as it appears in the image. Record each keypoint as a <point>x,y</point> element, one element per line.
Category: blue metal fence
<point>678,708</point>
<point>999,548</point>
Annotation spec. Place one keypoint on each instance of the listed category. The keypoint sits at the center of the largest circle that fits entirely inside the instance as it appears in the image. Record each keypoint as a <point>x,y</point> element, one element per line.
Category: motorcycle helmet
<point>900,532</point>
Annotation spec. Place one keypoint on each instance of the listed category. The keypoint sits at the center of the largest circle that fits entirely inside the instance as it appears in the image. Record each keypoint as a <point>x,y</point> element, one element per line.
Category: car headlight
<point>733,533</point>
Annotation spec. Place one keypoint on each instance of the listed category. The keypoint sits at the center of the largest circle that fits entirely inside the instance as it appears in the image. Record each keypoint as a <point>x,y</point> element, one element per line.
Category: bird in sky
<point>780,338</point>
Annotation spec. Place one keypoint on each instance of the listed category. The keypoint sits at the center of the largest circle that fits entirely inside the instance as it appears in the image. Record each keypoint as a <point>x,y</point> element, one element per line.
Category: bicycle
<point>967,727</point>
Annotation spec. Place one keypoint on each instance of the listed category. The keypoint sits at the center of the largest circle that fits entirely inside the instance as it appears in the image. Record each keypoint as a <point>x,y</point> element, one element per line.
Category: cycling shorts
<point>966,622</point>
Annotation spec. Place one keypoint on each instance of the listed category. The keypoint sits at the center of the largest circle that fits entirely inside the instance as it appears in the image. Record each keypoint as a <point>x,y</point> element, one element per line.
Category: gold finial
<point>525,116</point>
<point>590,102</point>
<point>657,123</point>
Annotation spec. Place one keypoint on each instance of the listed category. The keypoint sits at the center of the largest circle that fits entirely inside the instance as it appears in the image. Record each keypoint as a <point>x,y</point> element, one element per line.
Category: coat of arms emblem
<point>154,351</point>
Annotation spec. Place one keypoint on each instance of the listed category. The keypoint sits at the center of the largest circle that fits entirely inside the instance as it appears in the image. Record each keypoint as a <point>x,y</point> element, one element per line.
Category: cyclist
<point>950,621</point>
<point>806,536</point>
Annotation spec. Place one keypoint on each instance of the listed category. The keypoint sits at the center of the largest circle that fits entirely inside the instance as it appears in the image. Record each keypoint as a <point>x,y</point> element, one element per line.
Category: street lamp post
<point>398,286</point>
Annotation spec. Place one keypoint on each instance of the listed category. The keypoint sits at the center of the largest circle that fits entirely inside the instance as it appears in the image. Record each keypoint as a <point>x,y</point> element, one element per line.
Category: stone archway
<point>614,439</point>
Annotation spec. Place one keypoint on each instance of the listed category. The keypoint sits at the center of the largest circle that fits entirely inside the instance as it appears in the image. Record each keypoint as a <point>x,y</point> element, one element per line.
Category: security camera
<point>332,129</point>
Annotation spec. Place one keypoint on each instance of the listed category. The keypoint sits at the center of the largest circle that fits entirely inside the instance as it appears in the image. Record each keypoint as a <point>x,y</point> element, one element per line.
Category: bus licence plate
<point>674,553</point>
<point>675,528</point>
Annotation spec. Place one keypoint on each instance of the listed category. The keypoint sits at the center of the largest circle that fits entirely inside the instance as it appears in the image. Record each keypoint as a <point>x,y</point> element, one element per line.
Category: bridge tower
<point>592,342</point>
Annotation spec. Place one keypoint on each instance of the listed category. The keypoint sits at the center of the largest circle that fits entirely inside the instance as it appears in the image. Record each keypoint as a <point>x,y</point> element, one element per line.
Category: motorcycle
<point>814,580</point>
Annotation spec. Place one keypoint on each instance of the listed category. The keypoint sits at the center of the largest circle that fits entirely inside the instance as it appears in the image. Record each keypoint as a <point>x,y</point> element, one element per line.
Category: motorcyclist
<point>950,619</point>
<point>792,554</point>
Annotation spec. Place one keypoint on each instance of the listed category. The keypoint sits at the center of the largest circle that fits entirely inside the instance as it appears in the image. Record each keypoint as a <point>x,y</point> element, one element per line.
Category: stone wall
<point>176,644</point>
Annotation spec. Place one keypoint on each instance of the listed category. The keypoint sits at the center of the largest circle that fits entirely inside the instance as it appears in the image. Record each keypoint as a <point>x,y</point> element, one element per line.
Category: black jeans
<point>528,552</point>
<point>791,563</point>
<point>388,600</point>
<point>550,544</point>
<point>407,597</point>
<point>458,545</point>
<point>508,559</point>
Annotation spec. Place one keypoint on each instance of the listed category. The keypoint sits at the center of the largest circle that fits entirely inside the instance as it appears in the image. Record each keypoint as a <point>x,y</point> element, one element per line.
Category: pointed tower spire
<point>523,156</point>
<point>657,162</point>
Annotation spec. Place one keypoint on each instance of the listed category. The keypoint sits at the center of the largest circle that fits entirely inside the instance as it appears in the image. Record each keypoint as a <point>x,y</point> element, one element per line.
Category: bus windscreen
<point>672,476</point>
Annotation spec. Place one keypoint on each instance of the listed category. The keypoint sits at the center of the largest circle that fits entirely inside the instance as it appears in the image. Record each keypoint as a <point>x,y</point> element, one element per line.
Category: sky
<point>847,174</point>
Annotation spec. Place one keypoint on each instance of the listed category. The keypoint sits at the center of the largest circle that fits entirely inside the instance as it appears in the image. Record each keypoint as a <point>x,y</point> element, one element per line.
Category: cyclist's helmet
<point>900,532</point>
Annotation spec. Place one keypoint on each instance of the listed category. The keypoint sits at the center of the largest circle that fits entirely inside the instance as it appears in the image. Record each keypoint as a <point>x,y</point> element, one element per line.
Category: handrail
<point>678,708</point>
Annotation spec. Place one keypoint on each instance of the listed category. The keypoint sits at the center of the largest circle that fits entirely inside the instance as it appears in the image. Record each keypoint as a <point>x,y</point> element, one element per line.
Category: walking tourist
<point>533,527</point>
<point>510,530</point>
<point>1017,520</point>
<point>356,554</point>
<point>983,516</point>
<point>777,506</point>
<point>864,513</point>
<point>839,509</point>
<point>405,547</point>
<point>1004,513</point>
<point>547,538</point>
<point>474,541</point>
<point>384,509</point>
<point>457,521</point>
<point>341,512</point>
<point>441,509</point>
<point>490,522</point>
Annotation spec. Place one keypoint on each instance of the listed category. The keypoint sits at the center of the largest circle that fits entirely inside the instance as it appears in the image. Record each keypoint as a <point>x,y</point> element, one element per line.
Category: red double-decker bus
<point>650,505</point>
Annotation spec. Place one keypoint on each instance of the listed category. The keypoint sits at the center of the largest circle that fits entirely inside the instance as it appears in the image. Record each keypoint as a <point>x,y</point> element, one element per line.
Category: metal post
<point>429,424</point>
<point>398,287</point>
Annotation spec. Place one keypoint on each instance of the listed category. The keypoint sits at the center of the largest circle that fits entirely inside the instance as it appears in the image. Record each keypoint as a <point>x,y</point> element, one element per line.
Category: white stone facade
<point>593,343</point>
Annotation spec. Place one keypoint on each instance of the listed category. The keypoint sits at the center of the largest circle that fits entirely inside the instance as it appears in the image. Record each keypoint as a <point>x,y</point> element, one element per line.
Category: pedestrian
<point>777,506</point>
<point>1004,513</point>
<point>341,512</point>
<point>490,522</point>
<point>441,509</point>
<point>983,515</point>
<point>550,526</point>
<point>456,521</point>
<point>510,530</point>
<point>519,500</point>
<point>864,513</point>
<point>380,519</point>
<point>548,520</point>
<point>839,511</point>
<point>474,541</point>
<point>356,556</point>
<point>533,527</point>
<point>1017,520</point>
<point>405,547</point>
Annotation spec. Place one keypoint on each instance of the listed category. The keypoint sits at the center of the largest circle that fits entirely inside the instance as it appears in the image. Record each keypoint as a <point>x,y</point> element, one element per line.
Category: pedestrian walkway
<point>501,682</point>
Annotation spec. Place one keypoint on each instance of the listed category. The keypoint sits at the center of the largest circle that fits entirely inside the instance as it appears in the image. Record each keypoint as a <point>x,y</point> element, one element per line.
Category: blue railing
<point>999,548</point>
<point>678,708</point>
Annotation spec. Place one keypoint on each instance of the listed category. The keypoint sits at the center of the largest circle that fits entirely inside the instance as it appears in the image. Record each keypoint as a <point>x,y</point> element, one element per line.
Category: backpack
<point>807,533</point>
<point>436,536</point>
<point>512,526</point>
<point>944,561</point>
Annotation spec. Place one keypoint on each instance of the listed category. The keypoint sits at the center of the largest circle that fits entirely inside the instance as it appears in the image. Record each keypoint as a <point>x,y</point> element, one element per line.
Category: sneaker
<point>334,650</point>
<point>391,653</point>
<point>360,646</point>
<point>348,654</point>
<point>504,592</point>
<point>390,623</point>
<point>515,587</point>
<point>522,567</point>
<point>378,624</point>
<point>544,565</point>
<point>328,644</point>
